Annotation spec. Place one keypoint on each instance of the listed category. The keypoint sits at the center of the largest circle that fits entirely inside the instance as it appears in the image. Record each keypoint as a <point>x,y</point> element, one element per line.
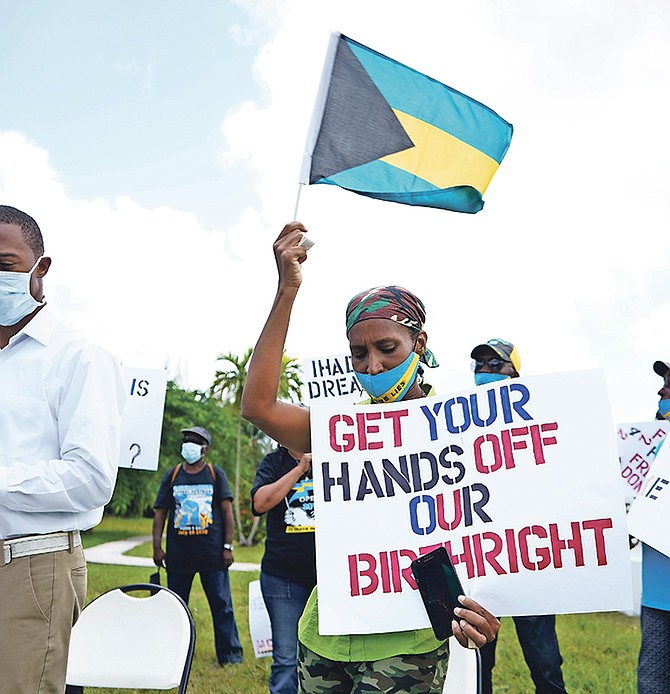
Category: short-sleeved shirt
<point>195,521</point>
<point>289,544</point>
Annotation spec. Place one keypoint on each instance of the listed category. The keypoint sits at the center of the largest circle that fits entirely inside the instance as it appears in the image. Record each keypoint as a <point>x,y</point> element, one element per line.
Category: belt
<point>38,544</point>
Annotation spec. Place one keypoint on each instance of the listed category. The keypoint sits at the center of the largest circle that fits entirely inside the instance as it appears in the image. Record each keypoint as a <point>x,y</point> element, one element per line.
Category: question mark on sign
<point>139,450</point>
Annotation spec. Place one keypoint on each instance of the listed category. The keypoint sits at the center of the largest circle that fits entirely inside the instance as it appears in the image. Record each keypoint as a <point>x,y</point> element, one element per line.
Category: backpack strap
<point>176,470</point>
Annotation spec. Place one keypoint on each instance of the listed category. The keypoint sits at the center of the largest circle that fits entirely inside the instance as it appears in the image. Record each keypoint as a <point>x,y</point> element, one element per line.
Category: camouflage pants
<point>413,674</point>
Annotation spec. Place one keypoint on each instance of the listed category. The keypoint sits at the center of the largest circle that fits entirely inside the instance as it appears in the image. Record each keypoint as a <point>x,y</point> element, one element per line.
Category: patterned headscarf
<point>393,303</point>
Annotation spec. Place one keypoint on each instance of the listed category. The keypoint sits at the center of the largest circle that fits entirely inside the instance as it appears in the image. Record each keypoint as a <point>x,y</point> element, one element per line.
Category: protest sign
<point>649,516</point>
<point>637,446</point>
<point>142,420</point>
<point>259,622</point>
<point>330,377</point>
<point>518,479</point>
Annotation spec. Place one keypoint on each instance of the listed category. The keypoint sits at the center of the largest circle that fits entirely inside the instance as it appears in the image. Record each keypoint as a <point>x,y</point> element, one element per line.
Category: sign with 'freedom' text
<point>518,479</point>
<point>637,447</point>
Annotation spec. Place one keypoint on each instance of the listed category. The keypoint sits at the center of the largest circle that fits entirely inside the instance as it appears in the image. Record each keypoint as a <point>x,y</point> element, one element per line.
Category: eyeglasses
<point>495,364</point>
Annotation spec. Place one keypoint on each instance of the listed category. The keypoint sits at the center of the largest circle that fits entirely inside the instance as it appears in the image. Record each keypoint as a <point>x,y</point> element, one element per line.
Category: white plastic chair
<point>129,642</point>
<point>463,671</point>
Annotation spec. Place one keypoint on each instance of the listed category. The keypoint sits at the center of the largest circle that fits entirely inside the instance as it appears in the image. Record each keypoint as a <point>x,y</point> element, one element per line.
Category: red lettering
<point>347,439</point>
<point>395,416</point>
<point>384,566</point>
<point>512,551</point>
<point>497,454</point>
<point>491,554</point>
<point>599,526</point>
<point>458,511</point>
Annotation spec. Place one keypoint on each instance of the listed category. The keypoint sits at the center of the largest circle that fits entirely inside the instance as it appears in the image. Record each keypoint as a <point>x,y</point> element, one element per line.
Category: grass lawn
<point>599,650</point>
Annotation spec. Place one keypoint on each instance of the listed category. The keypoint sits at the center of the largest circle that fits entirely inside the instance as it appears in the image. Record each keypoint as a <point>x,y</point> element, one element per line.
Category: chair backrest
<point>128,642</point>
<point>464,670</point>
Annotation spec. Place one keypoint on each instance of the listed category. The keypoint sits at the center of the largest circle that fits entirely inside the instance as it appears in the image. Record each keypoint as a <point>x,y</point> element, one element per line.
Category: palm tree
<point>228,386</point>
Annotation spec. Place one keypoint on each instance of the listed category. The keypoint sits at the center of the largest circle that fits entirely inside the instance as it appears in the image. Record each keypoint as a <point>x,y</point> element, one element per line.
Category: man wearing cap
<point>196,500</point>
<point>497,360</point>
<point>653,667</point>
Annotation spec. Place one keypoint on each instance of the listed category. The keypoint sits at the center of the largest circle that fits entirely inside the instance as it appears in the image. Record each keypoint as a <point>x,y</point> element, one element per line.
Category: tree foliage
<point>135,490</point>
<point>227,388</point>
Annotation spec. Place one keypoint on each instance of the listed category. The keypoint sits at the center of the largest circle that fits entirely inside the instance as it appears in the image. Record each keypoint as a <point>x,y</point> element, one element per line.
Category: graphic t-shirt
<point>195,521</point>
<point>289,544</point>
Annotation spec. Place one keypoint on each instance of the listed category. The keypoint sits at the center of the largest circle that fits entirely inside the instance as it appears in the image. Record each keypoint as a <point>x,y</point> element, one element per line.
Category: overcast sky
<point>158,145</point>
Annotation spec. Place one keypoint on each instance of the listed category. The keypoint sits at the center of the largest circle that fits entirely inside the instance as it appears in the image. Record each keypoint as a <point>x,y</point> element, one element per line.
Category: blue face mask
<point>664,409</point>
<point>483,377</point>
<point>391,385</point>
<point>191,452</point>
<point>16,301</point>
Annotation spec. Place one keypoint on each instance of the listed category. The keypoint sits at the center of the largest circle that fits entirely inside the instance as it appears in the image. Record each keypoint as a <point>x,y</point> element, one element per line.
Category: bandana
<point>393,303</point>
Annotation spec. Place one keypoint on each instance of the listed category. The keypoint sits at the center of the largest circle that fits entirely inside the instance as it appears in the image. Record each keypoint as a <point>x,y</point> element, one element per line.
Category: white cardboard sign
<point>518,479</point>
<point>331,378</point>
<point>142,420</point>
<point>649,516</point>
<point>259,622</point>
<point>638,442</point>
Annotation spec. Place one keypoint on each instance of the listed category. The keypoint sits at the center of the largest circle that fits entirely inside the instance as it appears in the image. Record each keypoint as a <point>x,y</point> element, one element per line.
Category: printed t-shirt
<point>195,521</point>
<point>354,648</point>
<point>289,544</point>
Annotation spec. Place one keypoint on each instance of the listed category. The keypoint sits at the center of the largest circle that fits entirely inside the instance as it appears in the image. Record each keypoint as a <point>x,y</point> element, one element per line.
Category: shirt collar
<point>41,326</point>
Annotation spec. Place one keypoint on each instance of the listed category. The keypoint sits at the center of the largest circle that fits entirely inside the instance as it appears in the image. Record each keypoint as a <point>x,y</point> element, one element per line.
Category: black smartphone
<point>439,588</point>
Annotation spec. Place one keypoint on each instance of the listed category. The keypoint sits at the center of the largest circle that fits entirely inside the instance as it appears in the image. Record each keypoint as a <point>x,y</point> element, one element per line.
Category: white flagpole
<point>297,203</point>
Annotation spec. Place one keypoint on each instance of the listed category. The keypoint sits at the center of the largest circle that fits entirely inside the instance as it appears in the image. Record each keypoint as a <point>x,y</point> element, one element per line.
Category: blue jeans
<point>285,601</point>
<point>539,643</point>
<point>216,585</point>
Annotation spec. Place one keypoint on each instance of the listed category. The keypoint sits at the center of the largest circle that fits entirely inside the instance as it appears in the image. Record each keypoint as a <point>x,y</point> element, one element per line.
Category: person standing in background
<point>284,489</point>
<point>497,360</point>
<point>196,500</point>
<point>61,400</point>
<point>653,667</point>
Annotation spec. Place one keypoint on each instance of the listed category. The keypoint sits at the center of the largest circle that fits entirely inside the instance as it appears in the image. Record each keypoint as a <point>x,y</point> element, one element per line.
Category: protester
<point>498,360</point>
<point>196,500</point>
<point>386,336</point>
<point>653,667</point>
<point>283,489</point>
<point>61,401</point>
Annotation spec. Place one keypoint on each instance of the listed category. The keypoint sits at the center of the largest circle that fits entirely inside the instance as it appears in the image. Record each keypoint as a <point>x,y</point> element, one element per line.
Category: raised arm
<point>286,423</point>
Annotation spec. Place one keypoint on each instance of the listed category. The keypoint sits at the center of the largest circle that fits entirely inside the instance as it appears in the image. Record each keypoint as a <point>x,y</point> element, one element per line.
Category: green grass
<point>599,650</point>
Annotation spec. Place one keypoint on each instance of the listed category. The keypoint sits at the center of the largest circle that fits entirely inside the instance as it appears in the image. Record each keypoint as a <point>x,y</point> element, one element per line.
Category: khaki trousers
<point>41,597</point>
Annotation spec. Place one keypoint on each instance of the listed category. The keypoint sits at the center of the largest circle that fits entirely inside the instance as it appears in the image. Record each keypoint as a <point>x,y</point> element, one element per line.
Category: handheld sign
<point>330,377</point>
<point>637,447</point>
<point>259,622</point>
<point>142,420</point>
<point>519,480</point>
<point>649,516</point>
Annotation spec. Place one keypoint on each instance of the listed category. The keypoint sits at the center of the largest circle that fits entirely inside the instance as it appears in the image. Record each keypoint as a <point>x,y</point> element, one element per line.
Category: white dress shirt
<point>61,400</point>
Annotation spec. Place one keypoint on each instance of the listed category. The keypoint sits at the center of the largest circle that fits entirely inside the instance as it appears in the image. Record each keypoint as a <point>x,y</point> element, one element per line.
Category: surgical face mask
<point>191,452</point>
<point>16,301</point>
<point>664,408</point>
<point>391,385</point>
<point>483,378</point>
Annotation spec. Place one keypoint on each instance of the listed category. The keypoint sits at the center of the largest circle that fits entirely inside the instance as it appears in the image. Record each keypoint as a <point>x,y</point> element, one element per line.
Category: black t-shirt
<point>195,521</point>
<point>289,545</point>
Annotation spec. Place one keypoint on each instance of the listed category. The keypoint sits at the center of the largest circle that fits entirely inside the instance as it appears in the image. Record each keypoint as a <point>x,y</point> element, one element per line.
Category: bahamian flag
<point>384,130</point>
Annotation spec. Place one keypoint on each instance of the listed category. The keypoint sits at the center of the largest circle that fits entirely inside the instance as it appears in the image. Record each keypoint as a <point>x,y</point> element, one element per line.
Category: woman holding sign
<point>387,343</point>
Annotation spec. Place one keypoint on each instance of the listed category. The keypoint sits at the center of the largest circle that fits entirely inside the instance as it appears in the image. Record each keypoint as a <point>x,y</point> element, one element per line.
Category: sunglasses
<point>494,363</point>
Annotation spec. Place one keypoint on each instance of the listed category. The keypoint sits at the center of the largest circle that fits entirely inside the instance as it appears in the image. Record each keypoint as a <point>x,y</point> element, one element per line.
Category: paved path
<point>115,553</point>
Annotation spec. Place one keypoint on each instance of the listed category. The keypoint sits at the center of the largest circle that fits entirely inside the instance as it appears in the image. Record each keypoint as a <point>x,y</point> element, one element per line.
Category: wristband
<point>230,548</point>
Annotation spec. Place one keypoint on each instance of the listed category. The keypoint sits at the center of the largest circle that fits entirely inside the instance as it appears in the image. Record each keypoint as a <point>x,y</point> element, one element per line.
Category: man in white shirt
<point>61,400</point>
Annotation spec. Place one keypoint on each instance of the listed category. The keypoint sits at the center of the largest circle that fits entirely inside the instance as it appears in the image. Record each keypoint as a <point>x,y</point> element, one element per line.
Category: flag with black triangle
<point>384,130</point>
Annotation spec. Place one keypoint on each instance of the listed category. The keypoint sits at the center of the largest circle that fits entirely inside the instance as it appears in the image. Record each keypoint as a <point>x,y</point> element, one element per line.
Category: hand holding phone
<point>439,587</point>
